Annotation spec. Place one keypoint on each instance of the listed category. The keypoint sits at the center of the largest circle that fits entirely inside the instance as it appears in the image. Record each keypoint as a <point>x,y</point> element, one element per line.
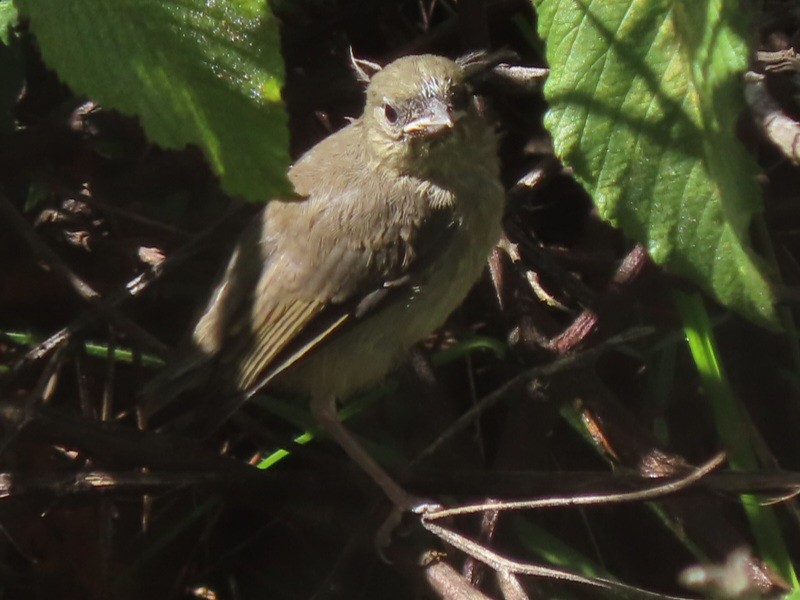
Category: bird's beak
<point>436,120</point>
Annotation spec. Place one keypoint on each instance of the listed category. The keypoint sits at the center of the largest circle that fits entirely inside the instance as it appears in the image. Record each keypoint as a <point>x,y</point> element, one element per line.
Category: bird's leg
<point>324,411</point>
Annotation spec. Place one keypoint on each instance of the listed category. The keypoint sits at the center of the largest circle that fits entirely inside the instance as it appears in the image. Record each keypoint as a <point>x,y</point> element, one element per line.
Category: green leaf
<point>194,71</point>
<point>644,96</point>
<point>8,18</point>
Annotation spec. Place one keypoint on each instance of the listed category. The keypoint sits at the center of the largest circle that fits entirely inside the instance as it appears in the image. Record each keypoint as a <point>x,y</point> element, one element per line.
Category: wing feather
<point>272,336</point>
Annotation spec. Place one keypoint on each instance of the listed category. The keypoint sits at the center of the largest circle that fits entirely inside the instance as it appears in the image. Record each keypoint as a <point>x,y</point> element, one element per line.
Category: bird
<point>324,295</point>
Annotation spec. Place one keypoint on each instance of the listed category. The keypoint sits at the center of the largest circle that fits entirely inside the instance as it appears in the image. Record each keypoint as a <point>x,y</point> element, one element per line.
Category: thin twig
<point>658,490</point>
<point>506,565</point>
<point>133,288</point>
<point>777,126</point>
<point>24,230</point>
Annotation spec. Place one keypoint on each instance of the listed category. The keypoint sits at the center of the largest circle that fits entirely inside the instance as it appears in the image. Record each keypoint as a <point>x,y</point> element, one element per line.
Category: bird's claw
<point>390,525</point>
<point>425,507</point>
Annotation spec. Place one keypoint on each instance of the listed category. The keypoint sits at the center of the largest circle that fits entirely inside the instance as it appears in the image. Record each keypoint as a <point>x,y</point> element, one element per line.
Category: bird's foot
<point>425,507</point>
<point>419,506</point>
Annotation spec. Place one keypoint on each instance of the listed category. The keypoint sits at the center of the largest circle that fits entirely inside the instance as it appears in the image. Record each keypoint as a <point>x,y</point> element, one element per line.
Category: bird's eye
<point>390,112</point>
<point>460,98</point>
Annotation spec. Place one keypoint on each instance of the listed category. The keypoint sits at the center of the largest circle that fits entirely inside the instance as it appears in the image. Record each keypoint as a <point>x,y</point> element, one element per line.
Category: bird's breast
<point>376,345</point>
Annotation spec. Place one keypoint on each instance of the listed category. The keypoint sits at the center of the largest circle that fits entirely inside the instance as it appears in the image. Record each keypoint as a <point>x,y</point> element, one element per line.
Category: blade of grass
<point>731,420</point>
<point>93,349</point>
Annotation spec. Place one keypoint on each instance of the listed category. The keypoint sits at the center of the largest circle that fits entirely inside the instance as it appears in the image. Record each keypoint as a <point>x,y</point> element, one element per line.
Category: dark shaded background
<point>178,519</point>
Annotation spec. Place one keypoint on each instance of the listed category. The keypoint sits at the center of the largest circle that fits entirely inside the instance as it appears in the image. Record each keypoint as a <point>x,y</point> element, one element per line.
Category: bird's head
<point>419,109</point>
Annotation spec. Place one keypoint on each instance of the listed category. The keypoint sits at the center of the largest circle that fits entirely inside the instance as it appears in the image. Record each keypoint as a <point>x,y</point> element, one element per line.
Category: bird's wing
<point>300,303</point>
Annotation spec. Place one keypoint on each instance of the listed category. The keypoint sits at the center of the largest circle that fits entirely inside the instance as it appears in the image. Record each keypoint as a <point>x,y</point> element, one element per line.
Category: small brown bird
<point>324,295</point>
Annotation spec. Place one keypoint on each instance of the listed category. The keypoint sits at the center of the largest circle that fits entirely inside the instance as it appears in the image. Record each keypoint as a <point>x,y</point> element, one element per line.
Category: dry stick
<point>63,484</point>
<point>446,581</point>
<point>770,485</point>
<point>586,322</point>
<point>221,478</point>
<point>510,586</point>
<point>131,289</point>
<point>658,490</point>
<point>83,289</point>
<point>26,411</point>
<point>473,569</point>
<point>776,125</point>
<point>506,565</point>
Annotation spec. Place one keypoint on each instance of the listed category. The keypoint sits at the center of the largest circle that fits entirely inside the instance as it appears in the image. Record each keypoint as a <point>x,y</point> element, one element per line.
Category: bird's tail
<point>189,371</point>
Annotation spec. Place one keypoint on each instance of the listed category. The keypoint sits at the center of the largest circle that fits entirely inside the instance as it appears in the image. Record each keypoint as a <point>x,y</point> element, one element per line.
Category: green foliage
<point>644,97</point>
<point>732,420</point>
<point>208,73</point>
<point>8,17</point>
